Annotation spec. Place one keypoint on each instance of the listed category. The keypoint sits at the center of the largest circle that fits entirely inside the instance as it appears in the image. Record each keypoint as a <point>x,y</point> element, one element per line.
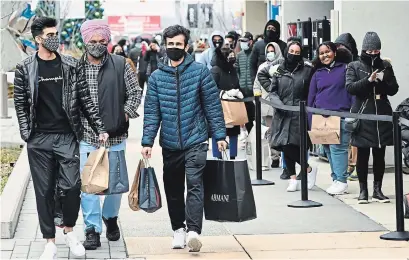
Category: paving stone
<point>97,255</point>
<point>117,249</point>
<point>23,242</point>
<point>21,249</point>
<point>7,244</point>
<point>19,256</point>
<point>5,254</point>
<point>37,246</point>
<point>116,255</point>
<point>62,254</point>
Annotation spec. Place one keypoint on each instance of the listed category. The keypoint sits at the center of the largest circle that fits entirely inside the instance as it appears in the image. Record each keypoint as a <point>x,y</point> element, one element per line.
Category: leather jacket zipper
<point>178,96</point>
<point>376,108</point>
<point>64,100</point>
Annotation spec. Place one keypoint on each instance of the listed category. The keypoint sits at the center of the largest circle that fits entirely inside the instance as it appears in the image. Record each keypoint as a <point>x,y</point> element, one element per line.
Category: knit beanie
<point>371,42</point>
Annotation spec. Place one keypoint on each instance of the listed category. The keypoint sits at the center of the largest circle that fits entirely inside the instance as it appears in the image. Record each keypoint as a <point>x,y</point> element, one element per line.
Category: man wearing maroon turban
<point>115,91</point>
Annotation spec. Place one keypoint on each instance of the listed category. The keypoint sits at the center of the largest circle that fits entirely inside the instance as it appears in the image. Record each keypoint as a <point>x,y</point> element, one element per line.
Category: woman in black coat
<point>227,80</point>
<point>371,80</point>
<point>289,85</point>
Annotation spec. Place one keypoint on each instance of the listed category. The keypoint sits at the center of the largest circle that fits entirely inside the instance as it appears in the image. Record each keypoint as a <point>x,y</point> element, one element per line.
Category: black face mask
<point>293,59</point>
<point>175,54</point>
<point>217,44</point>
<point>272,35</point>
<point>371,59</point>
<point>231,59</point>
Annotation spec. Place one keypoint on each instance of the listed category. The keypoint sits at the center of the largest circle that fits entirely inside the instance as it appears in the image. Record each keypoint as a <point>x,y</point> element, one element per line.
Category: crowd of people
<point>67,108</point>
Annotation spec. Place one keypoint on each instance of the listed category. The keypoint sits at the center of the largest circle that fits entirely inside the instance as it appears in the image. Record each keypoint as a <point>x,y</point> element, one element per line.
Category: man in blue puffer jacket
<point>183,99</point>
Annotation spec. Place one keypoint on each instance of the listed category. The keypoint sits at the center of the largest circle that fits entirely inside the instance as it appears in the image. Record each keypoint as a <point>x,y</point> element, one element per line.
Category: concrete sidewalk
<point>341,229</point>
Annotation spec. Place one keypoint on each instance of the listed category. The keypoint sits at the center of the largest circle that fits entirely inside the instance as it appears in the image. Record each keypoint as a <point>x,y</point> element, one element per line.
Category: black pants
<point>251,110</point>
<point>142,78</point>
<point>54,159</point>
<point>292,156</point>
<point>177,164</point>
<point>378,155</point>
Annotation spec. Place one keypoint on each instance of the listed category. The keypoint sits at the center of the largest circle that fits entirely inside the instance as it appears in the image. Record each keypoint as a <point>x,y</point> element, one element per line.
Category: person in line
<point>182,98</point>
<point>371,80</point>
<point>346,42</point>
<point>216,41</point>
<point>154,53</point>
<point>143,65</point>
<point>50,92</point>
<point>232,38</point>
<point>271,34</point>
<point>135,51</point>
<point>115,91</point>
<point>273,54</point>
<point>403,108</point>
<point>289,86</point>
<point>327,91</point>
<point>117,50</point>
<point>225,75</point>
<point>259,37</point>
<point>243,70</point>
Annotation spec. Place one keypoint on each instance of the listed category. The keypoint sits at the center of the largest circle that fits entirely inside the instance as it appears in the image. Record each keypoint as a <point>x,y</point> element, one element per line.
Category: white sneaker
<point>312,177</point>
<point>340,188</point>
<point>179,239</point>
<point>331,188</point>
<point>50,251</point>
<point>193,242</point>
<point>293,185</point>
<point>76,248</point>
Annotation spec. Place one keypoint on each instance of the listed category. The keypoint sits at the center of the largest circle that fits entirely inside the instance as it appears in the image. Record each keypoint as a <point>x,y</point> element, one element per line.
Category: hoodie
<point>207,56</point>
<point>258,54</point>
<point>348,41</point>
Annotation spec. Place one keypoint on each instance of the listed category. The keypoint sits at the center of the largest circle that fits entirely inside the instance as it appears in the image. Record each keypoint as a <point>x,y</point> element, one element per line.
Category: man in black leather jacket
<point>50,93</point>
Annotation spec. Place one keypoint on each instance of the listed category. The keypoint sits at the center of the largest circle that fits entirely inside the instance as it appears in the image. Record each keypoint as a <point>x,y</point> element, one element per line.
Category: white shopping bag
<point>251,149</point>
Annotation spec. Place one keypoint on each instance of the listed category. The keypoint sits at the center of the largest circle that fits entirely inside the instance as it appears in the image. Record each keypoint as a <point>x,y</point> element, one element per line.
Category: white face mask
<point>270,56</point>
<point>244,46</point>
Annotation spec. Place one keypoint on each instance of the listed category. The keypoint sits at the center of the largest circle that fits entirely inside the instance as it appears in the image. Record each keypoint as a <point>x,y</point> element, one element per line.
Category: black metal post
<point>304,202</point>
<point>400,234</point>
<point>259,170</point>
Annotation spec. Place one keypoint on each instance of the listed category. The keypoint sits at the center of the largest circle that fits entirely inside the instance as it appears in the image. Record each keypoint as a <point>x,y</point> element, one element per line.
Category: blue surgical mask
<point>270,56</point>
<point>244,46</point>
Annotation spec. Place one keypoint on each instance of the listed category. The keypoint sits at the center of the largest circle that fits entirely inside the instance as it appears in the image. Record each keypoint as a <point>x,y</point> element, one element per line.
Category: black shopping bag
<point>228,194</point>
<point>149,194</point>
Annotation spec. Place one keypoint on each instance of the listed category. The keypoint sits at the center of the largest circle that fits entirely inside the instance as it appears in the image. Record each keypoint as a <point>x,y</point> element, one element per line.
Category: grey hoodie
<point>207,56</point>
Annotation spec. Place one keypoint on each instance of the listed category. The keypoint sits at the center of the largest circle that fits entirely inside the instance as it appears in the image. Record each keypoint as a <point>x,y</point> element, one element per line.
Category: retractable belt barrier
<point>400,233</point>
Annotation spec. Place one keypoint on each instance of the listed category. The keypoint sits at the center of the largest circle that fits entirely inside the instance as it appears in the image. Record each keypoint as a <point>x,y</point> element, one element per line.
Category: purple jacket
<point>327,89</point>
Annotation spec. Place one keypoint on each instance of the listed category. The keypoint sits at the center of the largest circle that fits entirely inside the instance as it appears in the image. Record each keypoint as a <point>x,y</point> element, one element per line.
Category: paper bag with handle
<point>235,113</point>
<point>133,197</point>
<point>95,175</point>
<point>325,130</point>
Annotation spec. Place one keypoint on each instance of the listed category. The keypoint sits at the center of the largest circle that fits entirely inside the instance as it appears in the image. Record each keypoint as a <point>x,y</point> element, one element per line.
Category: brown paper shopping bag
<point>325,130</point>
<point>235,113</point>
<point>133,196</point>
<point>95,175</point>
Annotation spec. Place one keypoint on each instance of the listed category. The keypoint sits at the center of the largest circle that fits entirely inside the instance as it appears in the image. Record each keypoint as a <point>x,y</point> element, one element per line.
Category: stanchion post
<point>259,170</point>
<point>4,97</point>
<point>304,202</point>
<point>400,234</point>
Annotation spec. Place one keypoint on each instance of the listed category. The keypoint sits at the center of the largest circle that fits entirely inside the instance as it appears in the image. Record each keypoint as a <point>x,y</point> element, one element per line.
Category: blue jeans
<point>233,142</point>
<point>338,156</point>
<point>90,203</point>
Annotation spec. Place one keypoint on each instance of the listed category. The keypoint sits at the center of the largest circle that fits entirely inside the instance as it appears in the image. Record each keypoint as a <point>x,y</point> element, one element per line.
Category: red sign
<point>133,24</point>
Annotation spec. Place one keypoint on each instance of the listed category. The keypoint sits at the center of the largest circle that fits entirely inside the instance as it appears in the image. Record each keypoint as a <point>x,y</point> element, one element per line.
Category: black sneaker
<point>113,233</point>
<point>92,239</point>
<point>275,164</point>
<point>285,175</point>
<point>406,204</point>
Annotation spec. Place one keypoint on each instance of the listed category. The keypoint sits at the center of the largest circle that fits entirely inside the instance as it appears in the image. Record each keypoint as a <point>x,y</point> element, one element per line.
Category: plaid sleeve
<point>133,92</point>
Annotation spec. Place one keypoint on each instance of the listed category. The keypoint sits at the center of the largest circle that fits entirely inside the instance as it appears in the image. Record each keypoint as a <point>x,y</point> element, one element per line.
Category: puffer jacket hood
<point>348,41</point>
<point>210,40</point>
<point>277,50</point>
<point>276,24</point>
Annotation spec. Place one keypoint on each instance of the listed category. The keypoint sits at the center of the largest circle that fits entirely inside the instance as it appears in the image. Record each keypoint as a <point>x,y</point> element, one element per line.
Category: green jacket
<point>243,69</point>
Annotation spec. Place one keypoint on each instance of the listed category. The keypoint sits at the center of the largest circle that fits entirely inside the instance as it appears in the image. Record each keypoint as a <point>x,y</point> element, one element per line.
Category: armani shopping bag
<point>228,194</point>
<point>149,194</point>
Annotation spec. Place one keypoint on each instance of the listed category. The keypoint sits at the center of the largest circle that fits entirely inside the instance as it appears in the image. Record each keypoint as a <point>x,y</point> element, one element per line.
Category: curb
<point>13,195</point>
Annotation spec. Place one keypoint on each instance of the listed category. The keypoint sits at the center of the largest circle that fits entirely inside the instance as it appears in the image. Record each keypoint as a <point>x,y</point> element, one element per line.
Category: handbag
<point>133,197</point>
<point>95,175</point>
<point>352,124</point>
